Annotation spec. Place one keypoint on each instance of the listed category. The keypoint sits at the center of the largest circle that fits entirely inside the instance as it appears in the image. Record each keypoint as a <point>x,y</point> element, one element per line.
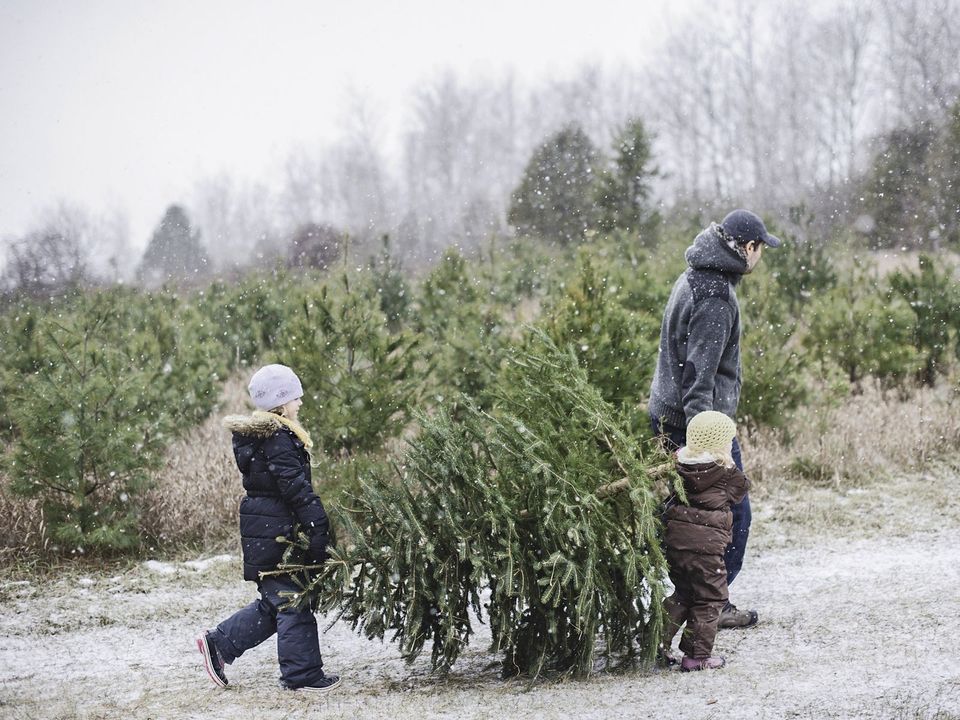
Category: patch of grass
<point>857,468</point>
<point>23,533</point>
<point>916,708</point>
<point>812,470</point>
<point>45,568</point>
<point>863,436</point>
<point>196,495</point>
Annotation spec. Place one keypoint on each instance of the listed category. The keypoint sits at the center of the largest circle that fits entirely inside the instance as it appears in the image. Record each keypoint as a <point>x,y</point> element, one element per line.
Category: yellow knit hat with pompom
<point>710,431</point>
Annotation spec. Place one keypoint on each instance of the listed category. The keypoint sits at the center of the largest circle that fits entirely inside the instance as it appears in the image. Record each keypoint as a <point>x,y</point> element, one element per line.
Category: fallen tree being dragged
<point>545,500</point>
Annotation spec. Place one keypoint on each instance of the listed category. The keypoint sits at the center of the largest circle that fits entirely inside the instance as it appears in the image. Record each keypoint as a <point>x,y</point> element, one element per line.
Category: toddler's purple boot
<point>689,664</point>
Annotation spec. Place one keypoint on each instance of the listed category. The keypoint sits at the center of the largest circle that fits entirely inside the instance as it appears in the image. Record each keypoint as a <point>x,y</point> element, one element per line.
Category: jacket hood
<point>701,476</point>
<point>249,432</point>
<point>258,425</point>
<point>710,252</point>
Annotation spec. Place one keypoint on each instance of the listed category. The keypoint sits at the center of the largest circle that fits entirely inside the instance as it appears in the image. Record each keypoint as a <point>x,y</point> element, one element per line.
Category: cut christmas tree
<point>539,517</point>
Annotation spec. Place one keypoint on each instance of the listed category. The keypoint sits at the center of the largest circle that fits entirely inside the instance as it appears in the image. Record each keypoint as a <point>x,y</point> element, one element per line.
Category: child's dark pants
<point>700,593</point>
<point>298,646</point>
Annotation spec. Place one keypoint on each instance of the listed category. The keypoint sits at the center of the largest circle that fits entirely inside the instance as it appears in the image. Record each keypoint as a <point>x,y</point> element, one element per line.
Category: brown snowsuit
<point>696,537</point>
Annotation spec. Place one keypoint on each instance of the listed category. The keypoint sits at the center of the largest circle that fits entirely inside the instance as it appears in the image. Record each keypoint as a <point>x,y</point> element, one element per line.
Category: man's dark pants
<point>733,556</point>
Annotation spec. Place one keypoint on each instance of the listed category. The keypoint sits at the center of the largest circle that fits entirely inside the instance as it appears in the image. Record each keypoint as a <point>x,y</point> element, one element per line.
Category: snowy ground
<point>856,626</point>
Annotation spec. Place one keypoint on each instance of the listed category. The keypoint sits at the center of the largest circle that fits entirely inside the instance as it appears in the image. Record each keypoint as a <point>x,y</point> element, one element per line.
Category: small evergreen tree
<point>246,317</point>
<point>357,374</point>
<point>774,377</point>
<point>95,386</point>
<point>464,338</point>
<point>933,296</point>
<point>624,188</point>
<point>864,332</point>
<point>89,425</point>
<point>897,192</point>
<point>555,199</point>
<point>616,346</point>
<point>390,285</point>
<point>517,272</point>
<point>174,252</point>
<point>802,267</point>
<point>20,328</point>
<point>944,172</point>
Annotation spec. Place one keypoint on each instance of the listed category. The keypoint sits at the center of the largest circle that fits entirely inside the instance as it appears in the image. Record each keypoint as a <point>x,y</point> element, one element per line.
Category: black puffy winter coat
<point>280,496</point>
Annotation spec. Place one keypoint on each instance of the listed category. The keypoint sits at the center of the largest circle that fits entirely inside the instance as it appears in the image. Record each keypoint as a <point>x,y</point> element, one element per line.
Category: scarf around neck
<point>294,427</point>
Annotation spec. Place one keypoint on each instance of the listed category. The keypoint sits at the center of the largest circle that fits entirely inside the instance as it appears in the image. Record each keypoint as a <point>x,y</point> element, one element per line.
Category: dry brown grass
<point>845,467</point>
<point>864,435</point>
<point>196,494</point>
<point>23,530</point>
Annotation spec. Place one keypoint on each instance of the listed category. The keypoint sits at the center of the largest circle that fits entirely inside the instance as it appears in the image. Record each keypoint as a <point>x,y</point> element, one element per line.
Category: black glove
<point>317,553</point>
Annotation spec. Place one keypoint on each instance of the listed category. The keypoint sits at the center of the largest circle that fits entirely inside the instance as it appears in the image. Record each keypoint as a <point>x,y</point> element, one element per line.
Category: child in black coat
<point>272,451</point>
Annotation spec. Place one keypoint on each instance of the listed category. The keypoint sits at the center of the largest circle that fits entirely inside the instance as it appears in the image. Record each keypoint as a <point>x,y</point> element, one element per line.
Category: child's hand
<point>317,552</point>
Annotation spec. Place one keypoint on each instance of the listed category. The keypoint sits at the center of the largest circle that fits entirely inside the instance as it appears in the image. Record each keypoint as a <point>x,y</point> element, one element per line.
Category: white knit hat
<point>710,431</point>
<point>274,385</point>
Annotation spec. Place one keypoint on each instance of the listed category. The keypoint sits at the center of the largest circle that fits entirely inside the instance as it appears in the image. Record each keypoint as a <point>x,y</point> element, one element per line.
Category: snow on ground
<point>850,628</point>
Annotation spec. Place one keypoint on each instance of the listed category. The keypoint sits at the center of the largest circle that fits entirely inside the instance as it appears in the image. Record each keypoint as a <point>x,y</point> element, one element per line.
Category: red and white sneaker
<point>211,659</point>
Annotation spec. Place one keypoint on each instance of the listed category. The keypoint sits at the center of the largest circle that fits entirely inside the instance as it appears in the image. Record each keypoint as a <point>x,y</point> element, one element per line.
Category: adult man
<point>698,367</point>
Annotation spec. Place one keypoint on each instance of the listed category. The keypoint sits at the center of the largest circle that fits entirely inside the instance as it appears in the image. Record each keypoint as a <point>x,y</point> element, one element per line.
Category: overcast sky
<point>126,104</point>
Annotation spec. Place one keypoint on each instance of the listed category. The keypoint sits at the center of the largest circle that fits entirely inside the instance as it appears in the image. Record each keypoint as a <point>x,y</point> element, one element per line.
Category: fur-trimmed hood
<point>258,425</point>
<point>261,425</point>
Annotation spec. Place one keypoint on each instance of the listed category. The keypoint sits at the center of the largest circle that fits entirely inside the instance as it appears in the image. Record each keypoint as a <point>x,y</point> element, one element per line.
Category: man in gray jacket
<point>698,367</point>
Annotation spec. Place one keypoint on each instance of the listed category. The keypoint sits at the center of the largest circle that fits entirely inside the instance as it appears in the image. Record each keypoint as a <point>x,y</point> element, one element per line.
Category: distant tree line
<point>849,111</point>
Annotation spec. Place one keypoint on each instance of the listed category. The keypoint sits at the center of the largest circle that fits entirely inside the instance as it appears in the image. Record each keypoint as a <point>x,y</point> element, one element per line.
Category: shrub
<point>116,376</point>
<point>464,336</point>
<point>932,295</point>
<point>357,374</point>
<point>315,245</point>
<point>616,346</point>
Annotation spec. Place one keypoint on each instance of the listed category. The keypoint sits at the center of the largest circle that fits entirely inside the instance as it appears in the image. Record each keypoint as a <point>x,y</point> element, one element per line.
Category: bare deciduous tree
<point>67,248</point>
<point>236,219</point>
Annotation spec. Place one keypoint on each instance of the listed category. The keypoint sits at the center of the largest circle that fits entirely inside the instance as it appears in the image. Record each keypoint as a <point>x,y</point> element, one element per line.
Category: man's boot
<point>730,617</point>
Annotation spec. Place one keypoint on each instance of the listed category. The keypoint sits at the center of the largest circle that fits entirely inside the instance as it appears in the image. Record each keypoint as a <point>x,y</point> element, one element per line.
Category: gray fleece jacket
<point>698,367</point>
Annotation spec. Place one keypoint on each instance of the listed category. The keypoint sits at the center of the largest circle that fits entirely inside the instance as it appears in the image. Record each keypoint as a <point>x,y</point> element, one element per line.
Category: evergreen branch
<point>613,488</point>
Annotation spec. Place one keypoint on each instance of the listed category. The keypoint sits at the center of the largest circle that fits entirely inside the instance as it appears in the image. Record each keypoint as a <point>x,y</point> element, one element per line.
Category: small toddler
<point>697,535</point>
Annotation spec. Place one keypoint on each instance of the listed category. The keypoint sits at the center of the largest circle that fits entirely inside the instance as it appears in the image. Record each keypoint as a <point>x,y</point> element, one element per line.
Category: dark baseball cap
<point>745,227</point>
